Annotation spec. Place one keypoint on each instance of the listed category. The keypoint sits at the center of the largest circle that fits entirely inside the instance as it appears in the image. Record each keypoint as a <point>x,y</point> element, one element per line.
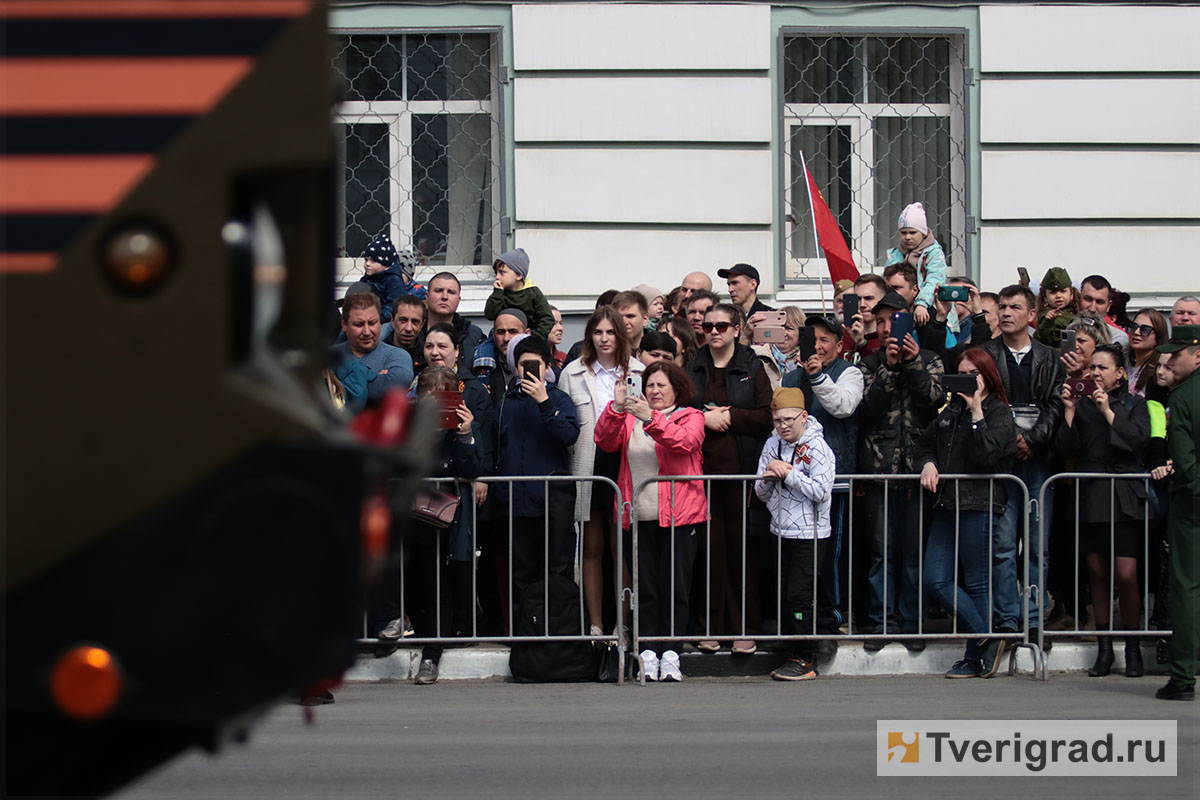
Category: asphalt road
<point>704,738</point>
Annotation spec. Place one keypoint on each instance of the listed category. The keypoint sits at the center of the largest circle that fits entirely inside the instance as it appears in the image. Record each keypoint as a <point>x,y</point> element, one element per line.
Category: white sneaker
<point>650,664</point>
<point>669,668</point>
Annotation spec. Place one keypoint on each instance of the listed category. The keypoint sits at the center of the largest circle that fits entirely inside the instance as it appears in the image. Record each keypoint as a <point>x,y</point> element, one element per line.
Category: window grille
<point>880,122</point>
<point>419,143</point>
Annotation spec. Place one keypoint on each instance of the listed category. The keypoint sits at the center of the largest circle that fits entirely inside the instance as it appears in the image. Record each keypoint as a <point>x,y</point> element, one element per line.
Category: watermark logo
<point>1026,747</point>
<point>904,747</point>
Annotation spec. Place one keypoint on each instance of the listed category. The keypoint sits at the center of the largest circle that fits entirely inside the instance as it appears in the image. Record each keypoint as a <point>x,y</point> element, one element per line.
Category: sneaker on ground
<point>427,674</point>
<point>795,669</point>
<point>668,667</point>
<point>1176,691</point>
<point>393,631</point>
<point>992,656</point>
<point>650,664</point>
<point>966,668</point>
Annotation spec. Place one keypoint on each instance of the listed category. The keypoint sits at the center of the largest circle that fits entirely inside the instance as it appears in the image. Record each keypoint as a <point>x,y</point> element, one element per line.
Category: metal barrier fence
<point>851,483</point>
<point>1112,480</point>
<point>443,637</point>
<point>854,496</point>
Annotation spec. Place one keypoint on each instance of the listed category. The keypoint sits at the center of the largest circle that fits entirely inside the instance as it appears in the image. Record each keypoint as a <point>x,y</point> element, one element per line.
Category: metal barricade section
<point>858,487</point>
<point>406,547</point>
<point>1073,483</point>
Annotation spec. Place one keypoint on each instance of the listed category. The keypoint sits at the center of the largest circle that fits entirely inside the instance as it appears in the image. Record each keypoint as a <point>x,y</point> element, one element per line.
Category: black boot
<point>1133,658</point>
<point>1104,658</point>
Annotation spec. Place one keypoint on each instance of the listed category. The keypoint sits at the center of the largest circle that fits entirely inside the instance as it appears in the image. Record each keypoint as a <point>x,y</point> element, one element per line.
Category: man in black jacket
<point>1033,375</point>
<point>902,394</point>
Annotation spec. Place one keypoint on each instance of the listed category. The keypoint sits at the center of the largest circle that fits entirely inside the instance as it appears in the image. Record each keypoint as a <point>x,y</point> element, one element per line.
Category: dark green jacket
<point>1183,439</point>
<point>529,300</point>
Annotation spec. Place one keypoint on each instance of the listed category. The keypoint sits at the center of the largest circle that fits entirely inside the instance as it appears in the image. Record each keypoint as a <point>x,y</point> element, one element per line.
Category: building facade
<point>624,143</point>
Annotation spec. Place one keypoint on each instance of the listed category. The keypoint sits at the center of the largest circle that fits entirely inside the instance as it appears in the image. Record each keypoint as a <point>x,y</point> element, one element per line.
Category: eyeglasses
<point>719,327</point>
<point>785,422</point>
<point>1145,330</point>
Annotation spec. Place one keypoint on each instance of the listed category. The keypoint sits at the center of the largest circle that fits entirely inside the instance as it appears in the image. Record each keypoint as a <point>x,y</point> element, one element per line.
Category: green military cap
<point>1181,336</point>
<point>1056,279</point>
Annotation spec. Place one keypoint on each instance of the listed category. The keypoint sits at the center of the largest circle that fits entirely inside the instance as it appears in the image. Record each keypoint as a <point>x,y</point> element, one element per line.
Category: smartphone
<point>1082,387</point>
<point>448,403</point>
<point>960,384</point>
<point>849,308</point>
<point>954,294</point>
<point>771,329</point>
<point>631,387</point>
<point>808,343</point>
<point>1023,275</point>
<point>1068,342</point>
<point>902,324</point>
<point>529,369</point>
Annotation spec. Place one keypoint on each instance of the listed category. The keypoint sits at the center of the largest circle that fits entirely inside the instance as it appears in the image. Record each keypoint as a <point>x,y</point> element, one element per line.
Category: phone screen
<point>849,308</point>
<point>808,343</point>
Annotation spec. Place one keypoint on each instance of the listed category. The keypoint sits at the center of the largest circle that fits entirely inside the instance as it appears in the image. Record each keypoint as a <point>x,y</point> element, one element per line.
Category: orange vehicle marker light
<point>86,683</point>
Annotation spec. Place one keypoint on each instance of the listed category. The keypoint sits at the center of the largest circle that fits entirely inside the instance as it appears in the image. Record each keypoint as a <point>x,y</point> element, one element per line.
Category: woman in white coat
<point>591,382</point>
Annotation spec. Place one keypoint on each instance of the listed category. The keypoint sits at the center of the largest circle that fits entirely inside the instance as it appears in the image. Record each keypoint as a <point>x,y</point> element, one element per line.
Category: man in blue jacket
<point>538,425</point>
<point>367,366</point>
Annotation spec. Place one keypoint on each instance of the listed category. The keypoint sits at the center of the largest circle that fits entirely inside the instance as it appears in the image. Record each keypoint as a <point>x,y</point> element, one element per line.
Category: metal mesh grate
<point>420,143</point>
<point>880,122</point>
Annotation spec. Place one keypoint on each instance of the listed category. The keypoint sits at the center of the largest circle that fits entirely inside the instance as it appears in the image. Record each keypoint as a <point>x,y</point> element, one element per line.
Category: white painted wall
<point>1091,110</point>
<point>1082,145</point>
<point>588,36</point>
<point>645,109</point>
<point>1097,38</point>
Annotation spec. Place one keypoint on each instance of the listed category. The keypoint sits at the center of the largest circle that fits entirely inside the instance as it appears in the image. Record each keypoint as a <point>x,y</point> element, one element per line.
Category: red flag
<point>829,235</point>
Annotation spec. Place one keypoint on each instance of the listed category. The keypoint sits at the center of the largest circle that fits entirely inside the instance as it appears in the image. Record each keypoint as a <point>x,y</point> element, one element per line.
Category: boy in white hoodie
<point>799,469</point>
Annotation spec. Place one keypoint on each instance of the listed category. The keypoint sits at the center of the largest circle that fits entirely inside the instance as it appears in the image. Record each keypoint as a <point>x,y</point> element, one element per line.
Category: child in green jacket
<point>1057,305</point>
<point>514,290</point>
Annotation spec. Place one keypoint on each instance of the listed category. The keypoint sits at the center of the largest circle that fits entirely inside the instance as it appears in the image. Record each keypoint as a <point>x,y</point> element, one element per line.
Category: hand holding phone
<point>849,309</point>
<point>807,343</point>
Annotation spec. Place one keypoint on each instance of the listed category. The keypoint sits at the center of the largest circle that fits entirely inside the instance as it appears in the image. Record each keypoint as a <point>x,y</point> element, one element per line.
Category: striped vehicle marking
<point>93,90</point>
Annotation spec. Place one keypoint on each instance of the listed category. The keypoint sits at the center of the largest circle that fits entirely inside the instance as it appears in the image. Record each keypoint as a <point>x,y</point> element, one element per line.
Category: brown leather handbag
<point>434,507</point>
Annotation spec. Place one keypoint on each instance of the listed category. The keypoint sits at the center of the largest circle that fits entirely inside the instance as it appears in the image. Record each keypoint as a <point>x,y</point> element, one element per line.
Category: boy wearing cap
<point>390,273</point>
<point>1057,305</point>
<point>1183,515</point>
<point>513,289</point>
<point>798,469</point>
<point>921,250</point>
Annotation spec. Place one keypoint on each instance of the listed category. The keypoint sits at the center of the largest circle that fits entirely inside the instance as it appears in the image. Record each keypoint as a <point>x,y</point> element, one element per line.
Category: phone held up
<point>529,369</point>
<point>448,403</point>
<point>849,308</point>
<point>1023,276</point>
<point>631,387</point>
<point>771,329</point>
<point>1082,387</point>
<point>960,384</point>
<point>1068,342</point>
<point>954,294</point>
<point>902,325</point>
<point>808,343</point>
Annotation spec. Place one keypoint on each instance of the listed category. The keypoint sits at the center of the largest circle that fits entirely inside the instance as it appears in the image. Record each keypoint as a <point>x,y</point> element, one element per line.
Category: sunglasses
<point>719,327</point>
<point>1145,330</point>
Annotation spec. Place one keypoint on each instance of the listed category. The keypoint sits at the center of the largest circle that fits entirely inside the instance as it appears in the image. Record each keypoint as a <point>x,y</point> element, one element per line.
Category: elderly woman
<point>1090,332</point>
<point>657,434</point>
<point>591,381</point>
<point>1109,430</point>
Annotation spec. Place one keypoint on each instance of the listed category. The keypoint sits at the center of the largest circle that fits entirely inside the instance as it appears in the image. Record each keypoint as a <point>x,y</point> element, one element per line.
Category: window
<point>420,145</point>
<point>879,121</point>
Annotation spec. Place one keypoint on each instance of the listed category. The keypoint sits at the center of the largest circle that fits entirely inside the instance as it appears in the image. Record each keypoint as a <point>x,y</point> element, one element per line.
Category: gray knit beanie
<point>517,260</point>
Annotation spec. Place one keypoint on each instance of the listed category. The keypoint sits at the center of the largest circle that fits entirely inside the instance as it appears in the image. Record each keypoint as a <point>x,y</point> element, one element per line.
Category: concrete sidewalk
<point>491,661</point>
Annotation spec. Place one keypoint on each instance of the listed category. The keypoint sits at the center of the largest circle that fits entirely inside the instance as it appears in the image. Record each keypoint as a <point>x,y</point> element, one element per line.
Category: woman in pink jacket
<point>657,433</point>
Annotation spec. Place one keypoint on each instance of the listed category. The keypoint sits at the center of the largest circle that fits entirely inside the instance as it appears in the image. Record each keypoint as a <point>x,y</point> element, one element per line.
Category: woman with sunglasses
<point>975,433</point>
<point>733,391</point>
<point>1148,332</point>
<point>1109,430</point>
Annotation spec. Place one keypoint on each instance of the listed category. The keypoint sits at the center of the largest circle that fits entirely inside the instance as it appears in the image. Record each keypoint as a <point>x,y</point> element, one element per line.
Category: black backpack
<point>552,662</point>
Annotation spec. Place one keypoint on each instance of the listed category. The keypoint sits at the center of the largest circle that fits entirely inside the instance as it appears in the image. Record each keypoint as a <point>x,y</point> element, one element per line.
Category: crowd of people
<point>916,372</point>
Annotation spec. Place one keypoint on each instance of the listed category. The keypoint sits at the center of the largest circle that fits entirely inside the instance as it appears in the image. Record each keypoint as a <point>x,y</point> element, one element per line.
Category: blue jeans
<point>968,599</point>
<point>1008,533</point>
<point>902,537</point>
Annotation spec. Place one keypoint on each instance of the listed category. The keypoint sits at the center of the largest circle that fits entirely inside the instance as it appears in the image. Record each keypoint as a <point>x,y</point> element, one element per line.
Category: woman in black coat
<point>1109,430</point>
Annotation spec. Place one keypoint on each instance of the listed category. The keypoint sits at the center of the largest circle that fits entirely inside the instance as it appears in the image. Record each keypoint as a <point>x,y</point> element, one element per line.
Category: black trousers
<point>543,544</point>
<point>800,561</point>
<point>437,592</point>
<point>663,559</point>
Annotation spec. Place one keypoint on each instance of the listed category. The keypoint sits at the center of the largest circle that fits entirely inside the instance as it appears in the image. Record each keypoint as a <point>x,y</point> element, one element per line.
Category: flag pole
<point>816,237</point>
